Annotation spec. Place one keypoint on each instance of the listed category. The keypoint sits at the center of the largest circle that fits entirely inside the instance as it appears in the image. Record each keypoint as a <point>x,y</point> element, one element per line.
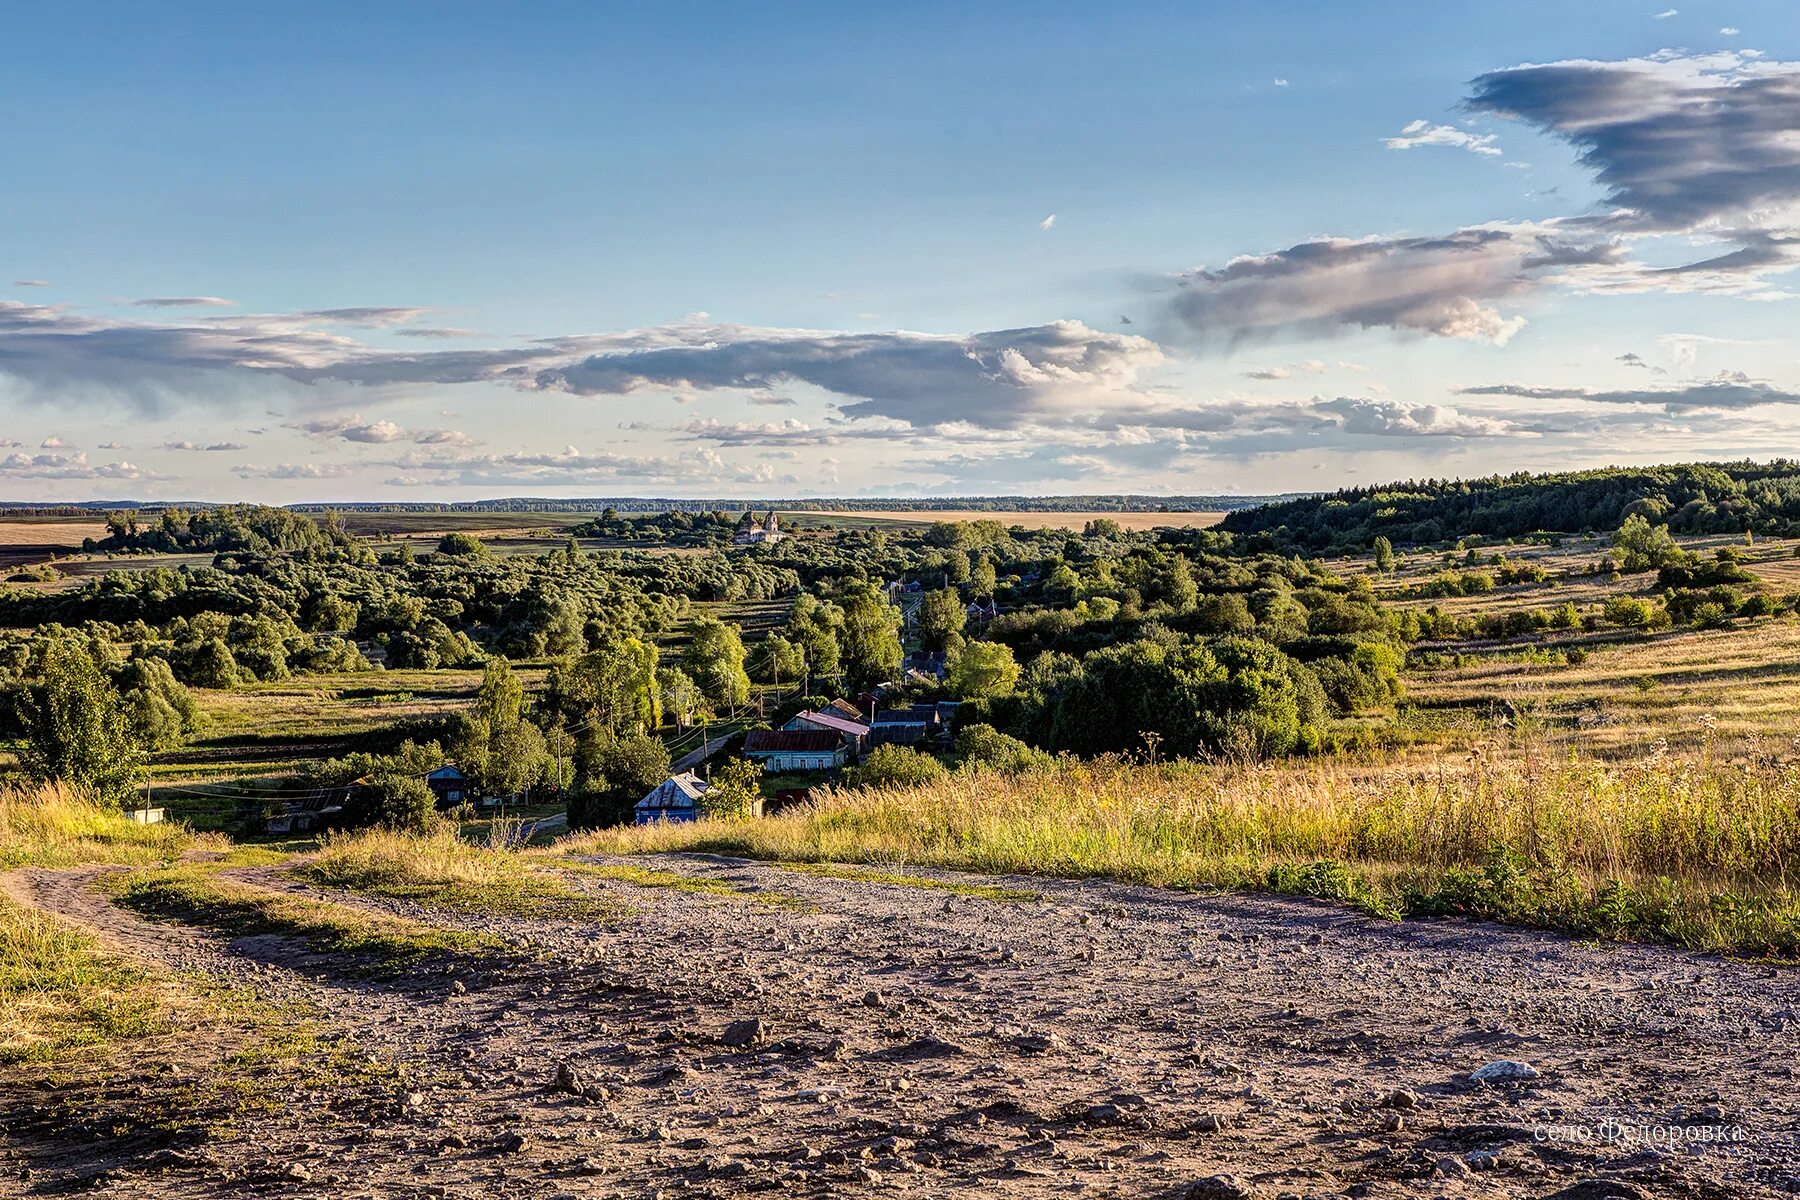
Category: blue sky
<point>780,250</point>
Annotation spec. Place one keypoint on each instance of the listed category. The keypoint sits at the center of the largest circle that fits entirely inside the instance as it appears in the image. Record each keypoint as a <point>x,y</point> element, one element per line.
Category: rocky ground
<point>821,1036</point>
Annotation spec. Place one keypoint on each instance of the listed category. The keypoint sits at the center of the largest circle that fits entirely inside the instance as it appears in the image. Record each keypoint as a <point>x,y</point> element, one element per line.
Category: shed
<point>448,784</point>
<point>676,798</point>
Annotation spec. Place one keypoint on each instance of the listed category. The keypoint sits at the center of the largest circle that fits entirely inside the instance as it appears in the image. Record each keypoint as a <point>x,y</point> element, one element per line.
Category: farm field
<point>1135,521</point>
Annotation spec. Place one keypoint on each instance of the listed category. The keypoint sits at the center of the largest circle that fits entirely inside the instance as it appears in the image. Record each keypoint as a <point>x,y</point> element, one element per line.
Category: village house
<point>448,784</point>
<point>854,732</point>
<point>676,798</point>
<point>928,664</point>
<point>846,710</point>
<point>784,750</point>
<point>751,531</point>
<point>904,726</point>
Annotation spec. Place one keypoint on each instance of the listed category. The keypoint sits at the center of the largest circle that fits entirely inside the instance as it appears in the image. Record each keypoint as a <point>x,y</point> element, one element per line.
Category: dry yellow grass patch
<point>1690,850</point>
<point>1681,686</point>
<point>49,533</point>
<point>55,827</point>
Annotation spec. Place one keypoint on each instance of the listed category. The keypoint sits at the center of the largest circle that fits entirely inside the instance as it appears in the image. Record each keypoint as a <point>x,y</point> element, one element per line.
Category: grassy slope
<point>1690,852</point>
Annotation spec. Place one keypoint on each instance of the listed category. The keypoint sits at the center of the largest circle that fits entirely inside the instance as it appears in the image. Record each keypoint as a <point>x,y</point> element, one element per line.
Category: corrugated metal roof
<point>833,721</point>
<point>810,741</point>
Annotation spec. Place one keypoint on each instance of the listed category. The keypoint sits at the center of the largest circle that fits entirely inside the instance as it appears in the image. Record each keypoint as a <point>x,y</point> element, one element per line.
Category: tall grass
<point>439,869</point>
<point>1693,851</point>
<point>381,858</point>
<point>54,826</point>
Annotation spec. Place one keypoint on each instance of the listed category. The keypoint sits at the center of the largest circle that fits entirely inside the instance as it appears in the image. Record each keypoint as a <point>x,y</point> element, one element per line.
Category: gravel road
<point>823,1036</point>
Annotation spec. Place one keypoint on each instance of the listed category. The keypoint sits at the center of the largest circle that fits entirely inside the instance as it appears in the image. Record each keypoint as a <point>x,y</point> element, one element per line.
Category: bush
<point>402,803</point>
<point>461,545</point>
<point>898,766</point>
<point>985,746</point>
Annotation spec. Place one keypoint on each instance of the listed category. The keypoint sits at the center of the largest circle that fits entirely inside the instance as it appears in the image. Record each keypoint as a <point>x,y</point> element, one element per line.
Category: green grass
<point>649,877</point>
<point>193,895</point>
<point>961,887</point>
<point>60,991</point>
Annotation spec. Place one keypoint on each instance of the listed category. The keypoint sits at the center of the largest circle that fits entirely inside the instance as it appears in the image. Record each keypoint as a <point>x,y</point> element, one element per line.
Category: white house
<point>782,750</point>
<point>676,798</point>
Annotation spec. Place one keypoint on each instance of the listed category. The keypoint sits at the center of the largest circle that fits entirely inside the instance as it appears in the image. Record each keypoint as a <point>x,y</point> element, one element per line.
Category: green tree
<point>941,614</point>
<point>871,637</point>
<point>734,790</point>
<point>682,698</point>
<point>462,545</point>
<point>983,669</point>
<point>715,660</point>
<point>1646,546</point>
<point>1384,555</point>
<point>159,710</point>
<point>402,802</point>
<point>517,758</point>
<point>818,628</point>
<point>611,774</point>
<point>779,661</point>
<point>76,730</point>
<point>982,578</point>
<point>500,700</point>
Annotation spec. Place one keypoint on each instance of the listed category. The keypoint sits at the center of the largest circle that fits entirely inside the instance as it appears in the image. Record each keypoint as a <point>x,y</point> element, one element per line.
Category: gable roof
<point>845,709</point>
<point>828,720</point>
<point>777,741</point>
<point>677,791</point>
<point>912,714</point>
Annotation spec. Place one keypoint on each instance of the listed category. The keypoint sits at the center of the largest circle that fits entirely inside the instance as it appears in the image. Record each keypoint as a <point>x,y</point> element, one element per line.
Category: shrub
<point>985,746</point>
<point>898,766</point>
<point>402,803</point>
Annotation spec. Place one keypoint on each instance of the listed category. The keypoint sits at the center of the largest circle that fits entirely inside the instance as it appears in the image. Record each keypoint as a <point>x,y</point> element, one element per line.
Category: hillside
<point>1692,498</point>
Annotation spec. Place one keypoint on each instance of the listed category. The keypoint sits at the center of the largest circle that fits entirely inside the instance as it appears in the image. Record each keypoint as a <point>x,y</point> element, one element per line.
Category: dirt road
<point>820,1036</point>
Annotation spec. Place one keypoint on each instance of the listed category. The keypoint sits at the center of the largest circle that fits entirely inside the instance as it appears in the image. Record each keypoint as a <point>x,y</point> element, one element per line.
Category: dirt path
<point>1099,1040</point>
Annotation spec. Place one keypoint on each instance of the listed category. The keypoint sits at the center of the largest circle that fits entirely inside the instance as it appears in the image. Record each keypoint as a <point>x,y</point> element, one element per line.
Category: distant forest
<point>1689,498</point>
<point>646,504</point>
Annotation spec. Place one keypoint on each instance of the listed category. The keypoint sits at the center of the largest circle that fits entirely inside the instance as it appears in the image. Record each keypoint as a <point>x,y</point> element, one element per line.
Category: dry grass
<point>49,533</point>
<point>380,858</point>
<point>441,870</point>
<point>1130,521</point>
<point>60,991</point>
<point>1738,683</point>
<point>55,827</point>
<point>1690,851</point>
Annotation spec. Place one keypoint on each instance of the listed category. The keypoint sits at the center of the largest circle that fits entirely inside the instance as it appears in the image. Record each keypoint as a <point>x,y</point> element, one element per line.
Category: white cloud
<point>1047,222</point>
<point>293,471</point>
<point>1424,133</point>
<point>184,302</point>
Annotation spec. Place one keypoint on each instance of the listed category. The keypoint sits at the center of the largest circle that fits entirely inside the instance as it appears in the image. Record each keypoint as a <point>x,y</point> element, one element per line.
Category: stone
<point>745,1033</point>
<point>1504,1070</point>
<point>1212,1123</point>
<point>1217,1187</point>
<point>1399,1098</point>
